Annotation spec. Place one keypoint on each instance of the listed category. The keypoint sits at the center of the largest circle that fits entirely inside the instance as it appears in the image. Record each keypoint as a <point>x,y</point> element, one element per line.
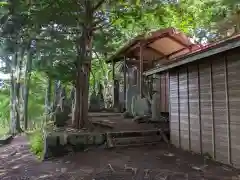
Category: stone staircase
<point>135,138</point>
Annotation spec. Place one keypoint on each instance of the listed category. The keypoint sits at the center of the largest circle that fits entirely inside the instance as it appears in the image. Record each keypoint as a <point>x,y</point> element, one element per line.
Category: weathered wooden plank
<point>173,96</point>
<point>167,92</point>
<point>183,108</point>
<point>233,63</point>
<point>179,118</point>
<point>199,109</point>
<point>194,108</point>
<point>220,113</point>
<point>163,92</point>
<point>205,103</point>
<point>189,124</point>
<point>227,110</point>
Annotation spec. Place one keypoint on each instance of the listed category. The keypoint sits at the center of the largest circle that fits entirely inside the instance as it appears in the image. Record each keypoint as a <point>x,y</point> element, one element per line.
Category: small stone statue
<point>63,110</point>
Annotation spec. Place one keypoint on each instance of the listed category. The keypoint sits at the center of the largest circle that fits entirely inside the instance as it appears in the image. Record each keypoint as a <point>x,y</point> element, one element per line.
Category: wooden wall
<point>162,88</point>
<point>205,107</point>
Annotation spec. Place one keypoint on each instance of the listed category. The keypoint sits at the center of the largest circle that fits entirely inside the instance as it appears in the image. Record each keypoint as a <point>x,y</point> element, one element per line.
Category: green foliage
<point>4,108</point>
<point>56,27</point>
<point>36,102</point>
<point>36,143</point>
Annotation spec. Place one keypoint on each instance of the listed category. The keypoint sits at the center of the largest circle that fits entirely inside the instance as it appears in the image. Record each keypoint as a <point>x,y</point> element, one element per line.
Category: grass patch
<point>3,131</point>
<point>36,143</point>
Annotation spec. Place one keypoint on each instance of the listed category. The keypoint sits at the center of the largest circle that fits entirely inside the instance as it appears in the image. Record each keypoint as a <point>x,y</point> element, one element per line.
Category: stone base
<point>6,139</point>
<point>140,106</point>
<point>61,143</point>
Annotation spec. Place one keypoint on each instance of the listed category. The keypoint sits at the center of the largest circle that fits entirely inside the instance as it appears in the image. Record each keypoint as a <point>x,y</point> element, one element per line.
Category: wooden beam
<point>179,42</point>
<point>156,51</point>
<point>169,55</point>
<point>137,61</point>
<point>156,38</point>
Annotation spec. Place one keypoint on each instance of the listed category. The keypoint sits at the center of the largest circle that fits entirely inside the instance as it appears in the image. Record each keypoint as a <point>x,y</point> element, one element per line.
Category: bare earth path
<point>152,162</point>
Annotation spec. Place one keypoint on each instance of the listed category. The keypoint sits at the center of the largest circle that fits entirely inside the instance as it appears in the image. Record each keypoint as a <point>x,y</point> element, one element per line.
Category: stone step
<point>134,138</point>
<point>133,141</point>
<point>5,139</point>
<point>122,134</point>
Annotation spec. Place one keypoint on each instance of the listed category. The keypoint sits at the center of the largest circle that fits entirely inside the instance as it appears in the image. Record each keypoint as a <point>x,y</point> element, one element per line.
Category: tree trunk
<point>26,85</point>
<point>12,109</point>
<point>48,99</point>
<point>84,57</point>
<point>82,82</point>
<point>14,91</point>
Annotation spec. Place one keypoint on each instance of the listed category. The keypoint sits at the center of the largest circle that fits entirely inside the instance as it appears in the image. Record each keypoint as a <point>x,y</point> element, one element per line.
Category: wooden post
<point>125,82</point>
<point>141,70</point>
<point>115,87</point>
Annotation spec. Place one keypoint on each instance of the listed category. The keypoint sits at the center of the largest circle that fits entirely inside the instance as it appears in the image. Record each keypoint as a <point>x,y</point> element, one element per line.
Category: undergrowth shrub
<point>36,143</point>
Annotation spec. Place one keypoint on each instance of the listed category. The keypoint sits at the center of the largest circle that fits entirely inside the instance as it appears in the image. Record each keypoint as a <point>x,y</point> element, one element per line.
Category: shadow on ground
<point>153,162</point>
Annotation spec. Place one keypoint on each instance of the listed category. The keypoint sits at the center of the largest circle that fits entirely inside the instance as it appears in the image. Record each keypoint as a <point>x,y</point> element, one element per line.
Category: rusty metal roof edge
<point>197,55</point>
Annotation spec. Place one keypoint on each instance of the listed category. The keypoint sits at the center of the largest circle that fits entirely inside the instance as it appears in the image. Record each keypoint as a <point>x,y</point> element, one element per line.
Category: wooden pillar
<point>125,82</point>
<point>115,87</point>
<point>141,70</point>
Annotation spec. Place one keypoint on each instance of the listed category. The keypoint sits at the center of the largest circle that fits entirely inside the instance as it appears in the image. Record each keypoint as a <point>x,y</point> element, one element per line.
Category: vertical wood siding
<point>164,89</point>
<point>194,108</point>
<point>183,108</point>
<point>204,107</point>
<point>174,121</point>
<point>220,114</point>
<point>234,106</point>
<point>205,104</point>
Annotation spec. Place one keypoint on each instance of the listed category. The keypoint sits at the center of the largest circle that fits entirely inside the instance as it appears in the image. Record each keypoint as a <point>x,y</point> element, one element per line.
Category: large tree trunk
<point>14,91</point>
<point>27,78</point>
<point>84,56</point>
<point>12,103</point>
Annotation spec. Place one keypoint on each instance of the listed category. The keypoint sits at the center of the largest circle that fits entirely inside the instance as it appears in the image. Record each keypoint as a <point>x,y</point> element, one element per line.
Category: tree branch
<point>98,5</point>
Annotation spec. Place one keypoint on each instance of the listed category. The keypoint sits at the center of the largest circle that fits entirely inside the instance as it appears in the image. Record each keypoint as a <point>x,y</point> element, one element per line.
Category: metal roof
<point>161,44</point>
<point>209,50</point>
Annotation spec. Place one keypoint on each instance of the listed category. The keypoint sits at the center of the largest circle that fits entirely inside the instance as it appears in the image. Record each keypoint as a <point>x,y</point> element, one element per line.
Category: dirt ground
<point>152,162</point>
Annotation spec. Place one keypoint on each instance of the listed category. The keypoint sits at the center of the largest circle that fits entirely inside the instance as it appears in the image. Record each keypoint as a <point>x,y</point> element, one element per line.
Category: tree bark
<point>14,91</point>
<point>84,56</point>
<point>27,79</point>
<point>48,99</point>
